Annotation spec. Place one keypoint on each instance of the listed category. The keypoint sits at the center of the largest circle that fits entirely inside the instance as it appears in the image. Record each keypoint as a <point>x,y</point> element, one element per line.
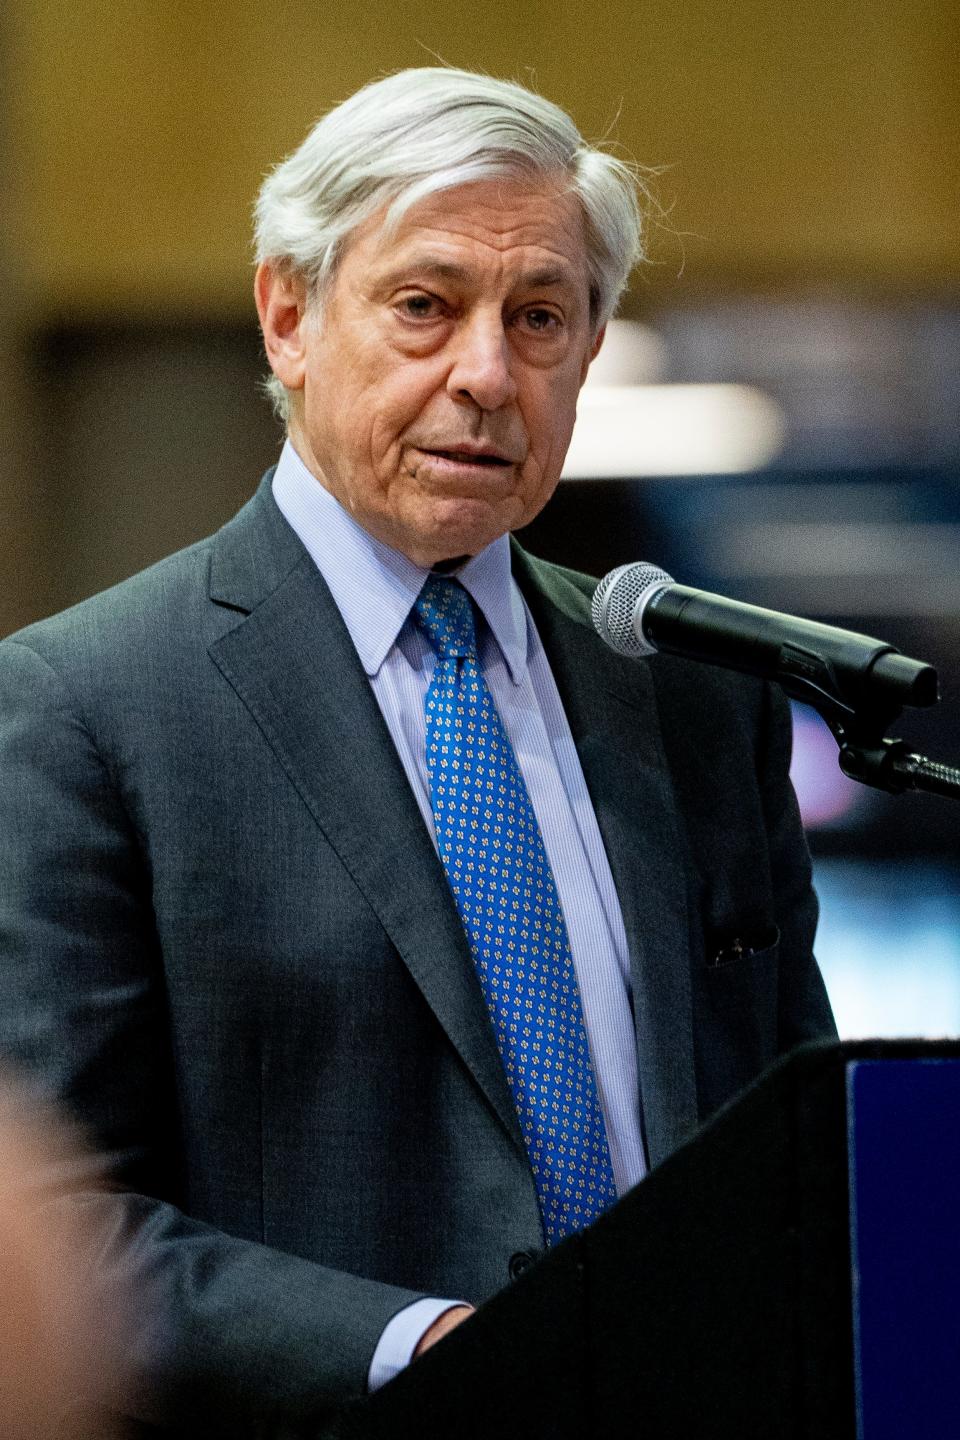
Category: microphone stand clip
<point>869,757</point>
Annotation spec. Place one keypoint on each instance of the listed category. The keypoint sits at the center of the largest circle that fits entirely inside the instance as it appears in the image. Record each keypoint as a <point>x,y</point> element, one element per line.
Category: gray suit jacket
<point>227,945</point>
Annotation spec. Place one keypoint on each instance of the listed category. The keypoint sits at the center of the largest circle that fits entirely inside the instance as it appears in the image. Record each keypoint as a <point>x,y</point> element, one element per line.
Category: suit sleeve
<point>220,1327</point>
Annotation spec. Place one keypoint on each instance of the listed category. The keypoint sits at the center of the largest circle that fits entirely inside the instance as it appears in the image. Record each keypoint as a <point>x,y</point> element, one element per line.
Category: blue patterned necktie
<point>499,873</point>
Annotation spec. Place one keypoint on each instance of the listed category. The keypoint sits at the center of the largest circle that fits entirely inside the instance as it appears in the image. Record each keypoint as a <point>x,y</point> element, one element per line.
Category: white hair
<point>412,134</point>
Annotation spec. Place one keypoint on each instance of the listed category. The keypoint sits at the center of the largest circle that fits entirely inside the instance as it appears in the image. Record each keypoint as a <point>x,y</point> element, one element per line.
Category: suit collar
<point>254,553</point>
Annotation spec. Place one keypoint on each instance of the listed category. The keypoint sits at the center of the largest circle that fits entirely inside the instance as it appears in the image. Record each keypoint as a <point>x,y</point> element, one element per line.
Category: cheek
<point>550,419</point>
<point>390,407</point>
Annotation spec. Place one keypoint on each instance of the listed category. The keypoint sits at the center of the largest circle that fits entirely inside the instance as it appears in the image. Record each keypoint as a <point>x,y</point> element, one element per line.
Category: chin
<point>461,528</point>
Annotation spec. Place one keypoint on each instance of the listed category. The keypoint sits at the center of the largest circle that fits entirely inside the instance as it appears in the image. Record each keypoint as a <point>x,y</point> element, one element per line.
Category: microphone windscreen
<point>615,605</point>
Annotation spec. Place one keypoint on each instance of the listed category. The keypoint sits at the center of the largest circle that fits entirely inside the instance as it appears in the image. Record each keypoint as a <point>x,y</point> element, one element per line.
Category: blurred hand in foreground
<point>54,1356</point>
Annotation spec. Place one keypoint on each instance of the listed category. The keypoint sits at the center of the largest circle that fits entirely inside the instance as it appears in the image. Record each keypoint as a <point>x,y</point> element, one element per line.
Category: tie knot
<point>446,615</point>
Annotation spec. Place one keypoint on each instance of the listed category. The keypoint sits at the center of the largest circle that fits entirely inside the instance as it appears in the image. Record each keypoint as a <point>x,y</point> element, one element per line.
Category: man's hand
<point>443,1324</point>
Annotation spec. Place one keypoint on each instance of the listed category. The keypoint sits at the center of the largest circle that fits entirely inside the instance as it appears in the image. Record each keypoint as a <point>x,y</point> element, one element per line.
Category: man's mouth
<point>470,457</point>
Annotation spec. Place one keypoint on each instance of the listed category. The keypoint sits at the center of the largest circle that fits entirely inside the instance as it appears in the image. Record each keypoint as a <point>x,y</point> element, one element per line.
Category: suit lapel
<point>292,663</point>
<point>611,708</point>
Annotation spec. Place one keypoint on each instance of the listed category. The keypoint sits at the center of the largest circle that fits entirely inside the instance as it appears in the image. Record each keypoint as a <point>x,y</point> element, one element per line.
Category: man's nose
<point>482,366</point>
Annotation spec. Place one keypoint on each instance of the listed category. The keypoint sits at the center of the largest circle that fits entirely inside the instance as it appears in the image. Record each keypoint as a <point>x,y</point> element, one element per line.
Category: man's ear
<point>593,352</point>
<point>281,304</point>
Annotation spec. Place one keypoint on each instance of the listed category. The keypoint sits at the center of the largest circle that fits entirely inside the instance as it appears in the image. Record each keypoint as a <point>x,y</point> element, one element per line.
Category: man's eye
<point>418,307</point>
<point>538,319</point>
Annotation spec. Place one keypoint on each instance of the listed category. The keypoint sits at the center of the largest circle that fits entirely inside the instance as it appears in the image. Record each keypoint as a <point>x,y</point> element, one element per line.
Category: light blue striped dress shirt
<point>374,588</point>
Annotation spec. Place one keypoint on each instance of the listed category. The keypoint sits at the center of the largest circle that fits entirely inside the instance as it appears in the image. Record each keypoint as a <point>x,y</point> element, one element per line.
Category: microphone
<point>638,609</point>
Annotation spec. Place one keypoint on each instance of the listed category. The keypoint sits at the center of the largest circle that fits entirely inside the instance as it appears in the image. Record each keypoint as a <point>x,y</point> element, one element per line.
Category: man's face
<point>438,385</point>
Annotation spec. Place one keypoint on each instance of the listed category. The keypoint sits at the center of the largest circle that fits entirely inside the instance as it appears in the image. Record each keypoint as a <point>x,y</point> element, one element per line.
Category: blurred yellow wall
<point>807,147</point>
<point>807,143</point>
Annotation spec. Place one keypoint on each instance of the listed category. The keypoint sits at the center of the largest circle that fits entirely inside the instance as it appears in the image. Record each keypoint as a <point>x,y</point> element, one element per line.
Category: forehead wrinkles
<point>537,231</point>
<point>435,259</point>
<point>532,221</point>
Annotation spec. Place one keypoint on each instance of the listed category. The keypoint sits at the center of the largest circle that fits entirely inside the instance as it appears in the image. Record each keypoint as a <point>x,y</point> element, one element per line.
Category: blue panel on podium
<point>904,1139</point>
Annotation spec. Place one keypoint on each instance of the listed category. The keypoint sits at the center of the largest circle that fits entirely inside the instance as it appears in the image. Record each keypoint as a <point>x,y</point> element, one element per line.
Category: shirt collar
<point>375,587</point>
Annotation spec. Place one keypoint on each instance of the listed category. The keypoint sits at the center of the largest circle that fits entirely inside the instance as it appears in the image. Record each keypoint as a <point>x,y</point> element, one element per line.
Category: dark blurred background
<point>808,249</point>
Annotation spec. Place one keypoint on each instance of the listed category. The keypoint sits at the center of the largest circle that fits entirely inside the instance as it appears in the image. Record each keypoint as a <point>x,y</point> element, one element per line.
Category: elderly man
<point>380,925</point>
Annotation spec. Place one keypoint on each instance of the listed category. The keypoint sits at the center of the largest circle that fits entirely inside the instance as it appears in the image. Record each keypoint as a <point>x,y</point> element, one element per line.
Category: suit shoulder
<point>570,590</point>
<point>684,688</point>
<point>129,608</point>
<point>676,676</point>
<point>169,600</point>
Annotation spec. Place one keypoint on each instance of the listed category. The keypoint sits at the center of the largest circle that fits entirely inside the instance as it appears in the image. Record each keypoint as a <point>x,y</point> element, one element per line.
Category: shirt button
<point>520,1262</point>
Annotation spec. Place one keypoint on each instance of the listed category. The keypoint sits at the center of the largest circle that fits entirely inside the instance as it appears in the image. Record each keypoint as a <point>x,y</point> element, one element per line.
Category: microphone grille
<point>615,603</point>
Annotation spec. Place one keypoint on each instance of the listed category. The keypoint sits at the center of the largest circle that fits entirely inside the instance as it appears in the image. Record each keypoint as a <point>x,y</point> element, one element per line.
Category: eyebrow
<point>434,266</point>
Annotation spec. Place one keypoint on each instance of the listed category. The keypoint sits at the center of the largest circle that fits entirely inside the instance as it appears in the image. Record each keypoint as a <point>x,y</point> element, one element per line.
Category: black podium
<point>726,1295</point>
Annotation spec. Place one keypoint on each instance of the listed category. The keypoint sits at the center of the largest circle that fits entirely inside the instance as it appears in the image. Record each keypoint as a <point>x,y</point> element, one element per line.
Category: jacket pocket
<point>735,1011</point>
<point>735,948</point>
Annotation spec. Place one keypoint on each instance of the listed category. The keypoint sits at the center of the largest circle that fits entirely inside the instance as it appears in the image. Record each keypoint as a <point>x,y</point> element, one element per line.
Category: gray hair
<point>412,134</point>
